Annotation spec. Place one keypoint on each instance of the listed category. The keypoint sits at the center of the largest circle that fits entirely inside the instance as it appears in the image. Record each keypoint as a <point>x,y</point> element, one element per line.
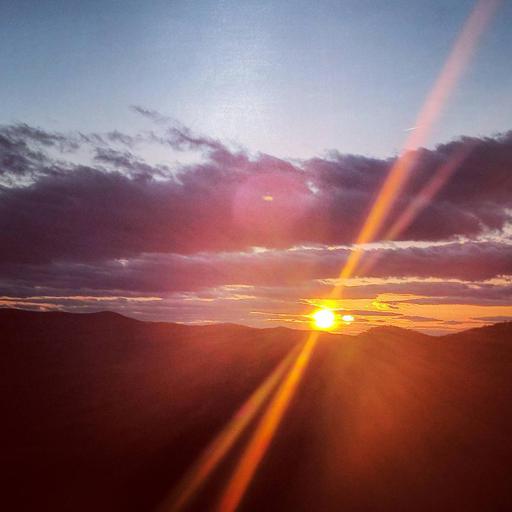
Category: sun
<point>324,319</point>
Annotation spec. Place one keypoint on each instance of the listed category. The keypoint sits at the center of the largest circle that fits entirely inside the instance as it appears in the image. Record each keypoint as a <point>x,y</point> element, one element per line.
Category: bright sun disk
<point>324,318</point>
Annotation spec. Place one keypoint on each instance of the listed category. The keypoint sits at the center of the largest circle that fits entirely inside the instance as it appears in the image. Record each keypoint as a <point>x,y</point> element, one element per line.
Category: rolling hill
<point>103,412</point>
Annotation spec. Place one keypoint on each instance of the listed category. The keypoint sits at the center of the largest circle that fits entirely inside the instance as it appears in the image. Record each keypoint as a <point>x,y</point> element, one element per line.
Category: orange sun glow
<point>324,319</point>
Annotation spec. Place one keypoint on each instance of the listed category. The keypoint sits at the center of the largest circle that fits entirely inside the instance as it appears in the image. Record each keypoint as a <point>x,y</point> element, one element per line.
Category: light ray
<point>395,181</point>
<point>397,177</point>
<point>264,433</point>
<point>428,192</point>
<point>419,202</point>
<point>219,447</point>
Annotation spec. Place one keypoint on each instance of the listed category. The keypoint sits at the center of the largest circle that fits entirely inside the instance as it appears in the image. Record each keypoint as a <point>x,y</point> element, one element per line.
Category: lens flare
<point>348,319</point>
<point>395,182</point>
<point>215,452</point>
<point>440,176</point>
<point>398,176</point>
<point>266,429</point>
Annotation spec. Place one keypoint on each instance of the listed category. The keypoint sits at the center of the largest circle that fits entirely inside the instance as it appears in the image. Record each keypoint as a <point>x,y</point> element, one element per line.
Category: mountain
<point>103,412</point>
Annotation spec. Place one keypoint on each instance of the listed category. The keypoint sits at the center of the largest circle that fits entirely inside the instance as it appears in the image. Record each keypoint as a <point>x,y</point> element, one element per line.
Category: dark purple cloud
<point>120,206</point>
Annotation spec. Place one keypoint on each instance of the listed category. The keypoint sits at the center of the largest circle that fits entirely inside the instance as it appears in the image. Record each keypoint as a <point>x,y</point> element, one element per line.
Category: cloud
<point>120,206</point>
<point>286,276</point>
<point>416,318</point>
<point>494,319</point>
<point>87,211</point>
<point>359,312</point>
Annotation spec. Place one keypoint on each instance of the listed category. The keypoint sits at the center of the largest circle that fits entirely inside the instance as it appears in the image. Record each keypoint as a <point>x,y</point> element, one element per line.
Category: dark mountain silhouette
<point>103,412</point>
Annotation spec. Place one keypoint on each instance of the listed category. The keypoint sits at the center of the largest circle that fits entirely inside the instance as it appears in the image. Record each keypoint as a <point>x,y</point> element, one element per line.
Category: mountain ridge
<point>18,314</point>
<point>103,412</point>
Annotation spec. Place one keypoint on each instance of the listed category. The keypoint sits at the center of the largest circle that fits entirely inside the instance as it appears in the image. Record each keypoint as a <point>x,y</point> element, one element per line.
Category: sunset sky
<point>216,162</point>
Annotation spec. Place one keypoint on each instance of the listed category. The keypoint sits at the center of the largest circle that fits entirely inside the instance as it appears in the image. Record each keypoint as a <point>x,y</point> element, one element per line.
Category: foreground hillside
<point>102,412</point>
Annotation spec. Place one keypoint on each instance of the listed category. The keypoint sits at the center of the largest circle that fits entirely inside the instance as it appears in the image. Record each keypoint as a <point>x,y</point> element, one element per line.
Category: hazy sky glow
<point>287,78</point>
<point>234,189</point>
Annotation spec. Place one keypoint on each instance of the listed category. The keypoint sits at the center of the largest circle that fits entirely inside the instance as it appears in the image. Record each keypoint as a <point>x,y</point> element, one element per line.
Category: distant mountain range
<point>103,412</point>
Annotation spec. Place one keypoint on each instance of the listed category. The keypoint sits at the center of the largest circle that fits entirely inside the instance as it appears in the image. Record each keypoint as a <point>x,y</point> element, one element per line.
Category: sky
<point>215,161</point>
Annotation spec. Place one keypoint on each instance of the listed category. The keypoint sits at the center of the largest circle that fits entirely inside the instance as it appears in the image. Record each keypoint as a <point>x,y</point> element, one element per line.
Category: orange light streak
<point>265,430</point>
<point>422,199</point>
<point>428,192</point>
<point>397,177</point>
<point>220,446</point>
<point>395,181</point>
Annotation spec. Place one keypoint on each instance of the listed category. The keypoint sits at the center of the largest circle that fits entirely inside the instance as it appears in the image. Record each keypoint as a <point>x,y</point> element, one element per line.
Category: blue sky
<point>288,78</point>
